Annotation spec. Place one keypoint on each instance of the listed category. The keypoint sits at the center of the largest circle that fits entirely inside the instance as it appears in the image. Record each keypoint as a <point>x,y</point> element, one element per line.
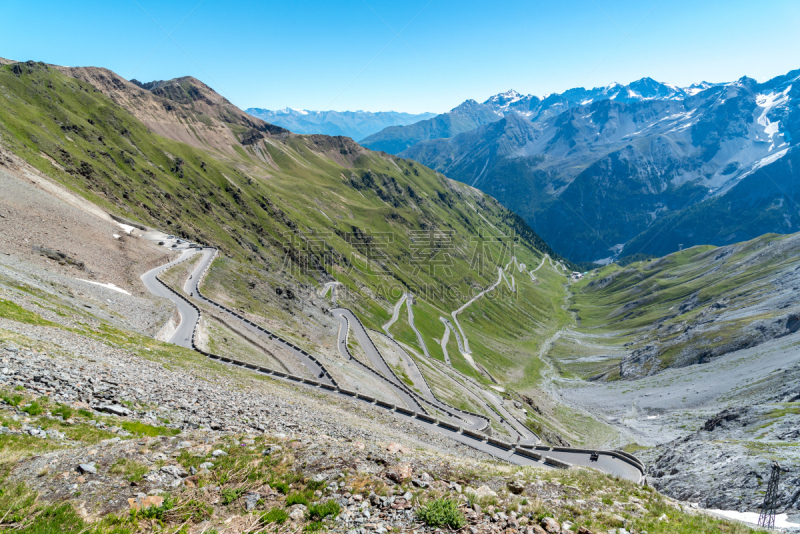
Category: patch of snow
<point>116,236</point>
<point>679,128</point>
<point>768,102</point>
<point>127,227</point>
<point>107,286</point>
<point>781,520</point>
<point>769,159</point>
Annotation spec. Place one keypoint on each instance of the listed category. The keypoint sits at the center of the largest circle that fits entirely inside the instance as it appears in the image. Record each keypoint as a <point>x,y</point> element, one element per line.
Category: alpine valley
<point>212,323</point>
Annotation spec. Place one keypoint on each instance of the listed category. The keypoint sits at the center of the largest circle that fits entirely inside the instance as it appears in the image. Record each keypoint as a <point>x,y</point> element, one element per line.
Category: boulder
<point>551,525</point>
<point>485,492</point>
<point>175,470</point>
<point>396,448</point>
<point>251,501</point>
<point>142,503</point>
<point>272,450</point>
<point>297,512</point>
<point>400,473</point>
<point>516,487</point>
<point>88,469</point>
<point>116,409</point>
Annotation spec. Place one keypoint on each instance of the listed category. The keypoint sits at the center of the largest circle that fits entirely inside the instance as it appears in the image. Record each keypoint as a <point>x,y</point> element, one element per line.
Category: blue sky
<point>415,55</point>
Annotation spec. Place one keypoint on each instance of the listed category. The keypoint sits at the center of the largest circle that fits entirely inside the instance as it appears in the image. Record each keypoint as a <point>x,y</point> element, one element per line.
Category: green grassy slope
<point>285,210</point>
<point>687,307</point>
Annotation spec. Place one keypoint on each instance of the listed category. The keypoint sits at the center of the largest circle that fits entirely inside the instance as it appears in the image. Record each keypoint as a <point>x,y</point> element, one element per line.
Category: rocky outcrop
<point>644,361</point>
<point>727,446</point>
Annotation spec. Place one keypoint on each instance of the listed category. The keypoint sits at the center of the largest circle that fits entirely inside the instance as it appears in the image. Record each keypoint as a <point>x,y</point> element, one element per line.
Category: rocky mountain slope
<point>184,109</point>
<point>113,467</point>
<point>693,306</point>
<point>694,357</point>
<point>643,168</point>
<point>353,124</point>
<point>250,181</point>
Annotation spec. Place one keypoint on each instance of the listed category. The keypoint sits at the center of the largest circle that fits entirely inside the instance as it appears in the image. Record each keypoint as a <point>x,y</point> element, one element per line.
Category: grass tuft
<point>275,515</point>
<point>319,511</point>
<point>442,513</point>
<point>303,498</point>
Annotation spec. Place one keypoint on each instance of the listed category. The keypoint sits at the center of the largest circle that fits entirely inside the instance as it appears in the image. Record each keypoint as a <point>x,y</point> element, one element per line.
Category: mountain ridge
<point>534,108</point>
<point>184,109</point>
<point>354,124</point>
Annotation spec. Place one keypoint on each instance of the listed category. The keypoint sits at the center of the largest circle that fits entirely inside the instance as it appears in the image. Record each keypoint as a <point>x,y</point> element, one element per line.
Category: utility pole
<point>767,517</point>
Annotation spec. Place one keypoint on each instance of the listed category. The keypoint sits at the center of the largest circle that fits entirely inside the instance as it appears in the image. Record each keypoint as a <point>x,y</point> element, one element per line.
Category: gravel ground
<point>670,412</point>
<point>66,300</point>
<point>197,397</point>
<point>37,212</point>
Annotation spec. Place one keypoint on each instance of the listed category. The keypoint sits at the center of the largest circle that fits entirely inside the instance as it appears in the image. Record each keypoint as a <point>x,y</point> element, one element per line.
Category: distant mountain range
<point>472,114</point>
<point>626,169</point>
<point>354,124</point>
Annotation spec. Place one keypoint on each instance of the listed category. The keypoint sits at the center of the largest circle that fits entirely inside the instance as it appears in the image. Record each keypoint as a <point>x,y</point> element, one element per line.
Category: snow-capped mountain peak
<point>698,87</point>
<point>512,102</point>
<point>292,111</point>
<point>502,100</point>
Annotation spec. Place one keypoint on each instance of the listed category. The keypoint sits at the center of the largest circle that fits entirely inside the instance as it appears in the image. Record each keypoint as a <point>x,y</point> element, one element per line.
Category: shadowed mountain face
<point>643,168</point>
<point>353,124</point>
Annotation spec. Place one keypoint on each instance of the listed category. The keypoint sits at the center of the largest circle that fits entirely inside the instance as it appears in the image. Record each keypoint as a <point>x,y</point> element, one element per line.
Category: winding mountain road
<point>454,315</point>
<point>329,286</point>
<point>192,287</point>
<point>614,463</point>
<point>446,339</point>
<point>189,316</point>
<point>347,322</point>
